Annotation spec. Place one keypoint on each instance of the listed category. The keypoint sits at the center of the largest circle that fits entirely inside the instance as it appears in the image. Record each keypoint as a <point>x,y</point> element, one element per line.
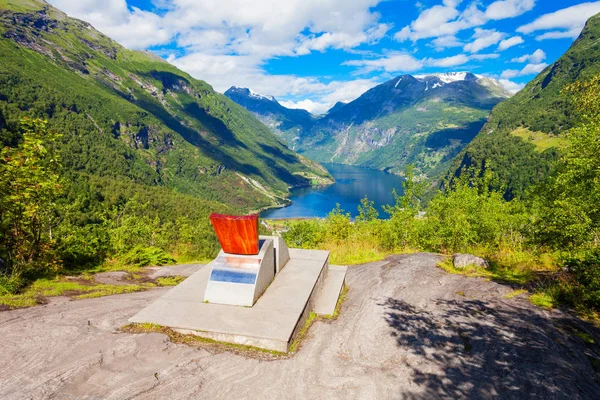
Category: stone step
<point>330,292</point>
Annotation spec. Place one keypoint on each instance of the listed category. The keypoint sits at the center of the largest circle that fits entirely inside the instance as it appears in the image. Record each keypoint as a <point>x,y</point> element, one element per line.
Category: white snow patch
<point>398,82</point>
<point>260,96</point>
<point>446,77</point>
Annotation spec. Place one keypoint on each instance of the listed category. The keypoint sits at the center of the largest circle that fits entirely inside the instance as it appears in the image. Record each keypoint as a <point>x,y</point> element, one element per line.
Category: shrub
<point>585,272</point>
<point>304,234</point>
<point>142,256</point>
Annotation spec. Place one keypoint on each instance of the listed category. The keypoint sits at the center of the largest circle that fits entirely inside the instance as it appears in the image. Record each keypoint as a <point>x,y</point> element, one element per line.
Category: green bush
<point>585,271</point>
<point>337,225</point>
<point>304,234</point>
<point>142,256</point>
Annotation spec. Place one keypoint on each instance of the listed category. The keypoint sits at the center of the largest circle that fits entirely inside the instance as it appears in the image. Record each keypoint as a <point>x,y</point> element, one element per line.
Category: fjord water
<point>351,185</point>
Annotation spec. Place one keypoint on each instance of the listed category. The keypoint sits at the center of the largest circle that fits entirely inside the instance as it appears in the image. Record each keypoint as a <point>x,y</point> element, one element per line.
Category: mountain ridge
<point>444,110</point>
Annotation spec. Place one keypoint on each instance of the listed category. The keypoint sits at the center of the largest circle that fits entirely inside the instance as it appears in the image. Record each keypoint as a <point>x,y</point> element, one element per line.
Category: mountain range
<point>421,120</point>
<point>131,117</point>
<point>447,123</point>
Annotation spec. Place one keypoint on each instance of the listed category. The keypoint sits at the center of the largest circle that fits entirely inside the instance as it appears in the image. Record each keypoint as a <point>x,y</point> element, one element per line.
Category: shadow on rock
<point>485,350</point>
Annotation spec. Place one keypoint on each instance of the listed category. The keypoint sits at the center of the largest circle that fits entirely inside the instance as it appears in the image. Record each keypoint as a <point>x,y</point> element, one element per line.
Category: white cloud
<point>227,42</point>
<point>508,8</point>
<point>392,62</point>
<point>570,34</point>
<point>344,91</point>
<point>341,40</point>
<point>536,57</point>
<point>441,20</point>
<point>511,86</point>
<point>565,23</point>
<point>510,42</point>
<point>135,28</point>
<point>403,62</point>
<point>483,38</point>
<point>484,56</point>
<point>444,42</point>
<point>509,73</point>
<point>347,91</point>
<point>308,105</point>
<point>529,69</point>
<point>453,61</point>
<point>447,20</point>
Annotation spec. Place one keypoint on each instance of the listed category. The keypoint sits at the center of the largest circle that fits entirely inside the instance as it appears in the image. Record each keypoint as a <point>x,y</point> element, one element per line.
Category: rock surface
<point>464,260</point>
<point>407,330</point>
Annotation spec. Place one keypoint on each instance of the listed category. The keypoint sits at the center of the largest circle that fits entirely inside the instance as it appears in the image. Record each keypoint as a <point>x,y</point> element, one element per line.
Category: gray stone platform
<point>271,323</point>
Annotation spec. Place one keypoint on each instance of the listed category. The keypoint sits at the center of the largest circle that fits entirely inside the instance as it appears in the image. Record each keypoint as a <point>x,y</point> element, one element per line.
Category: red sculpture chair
<point>236,234</point>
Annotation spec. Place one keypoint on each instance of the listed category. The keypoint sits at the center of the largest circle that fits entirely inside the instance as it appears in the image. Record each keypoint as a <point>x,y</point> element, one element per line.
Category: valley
<point>429,172</point>
<point>424,121</point>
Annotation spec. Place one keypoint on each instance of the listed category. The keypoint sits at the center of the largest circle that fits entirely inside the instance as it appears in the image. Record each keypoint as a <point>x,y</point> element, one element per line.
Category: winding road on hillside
<point>407,330</point>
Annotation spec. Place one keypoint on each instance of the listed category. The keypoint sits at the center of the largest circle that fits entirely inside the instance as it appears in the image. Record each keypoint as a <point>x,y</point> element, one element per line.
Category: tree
<point>367,211</point>
<point>29,187</point>
<point>569,203</point>
<point>401,231</point>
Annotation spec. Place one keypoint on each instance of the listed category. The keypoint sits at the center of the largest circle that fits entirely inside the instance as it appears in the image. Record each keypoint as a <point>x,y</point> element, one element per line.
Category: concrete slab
<point>271,323</point>
<point>296,281</point>
<point>302,254</point>
<point>327,299</point>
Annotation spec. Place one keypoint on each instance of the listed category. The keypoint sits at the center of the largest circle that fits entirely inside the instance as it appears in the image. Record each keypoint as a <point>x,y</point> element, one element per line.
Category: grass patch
<point>514,293</point>
<point>586,337</point>
<point>19,301</point>
<point>312,317</point>
<point>81,287</point>
<point>338,306</point>
<point>198,341</point>
<point>543,299</point>
<point>354,252</point>
<point>541,140</point>
<point>496,272</point>
<point>295,345</point>
<point>169,280</point>
<point>109,290</point>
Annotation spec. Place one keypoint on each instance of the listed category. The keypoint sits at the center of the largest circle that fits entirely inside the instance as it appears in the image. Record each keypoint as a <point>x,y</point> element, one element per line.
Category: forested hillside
<point>288,124</point>
<point>132,115</point>
<point>524,134</point>
<point>141,151</point>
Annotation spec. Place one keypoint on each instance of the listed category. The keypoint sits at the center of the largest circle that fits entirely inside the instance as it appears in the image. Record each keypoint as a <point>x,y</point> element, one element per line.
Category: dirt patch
<point>112,278</point>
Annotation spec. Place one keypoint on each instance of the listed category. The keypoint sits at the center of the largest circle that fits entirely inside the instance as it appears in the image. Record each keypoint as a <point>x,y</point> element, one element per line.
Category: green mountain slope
<point>524,134</point>
<point>288,124</point>
<point>423,121</point>
<point>131,116</point>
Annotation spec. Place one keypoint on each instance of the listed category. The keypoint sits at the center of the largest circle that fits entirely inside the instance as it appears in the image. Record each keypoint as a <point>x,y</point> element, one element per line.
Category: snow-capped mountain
<point>423,120</point>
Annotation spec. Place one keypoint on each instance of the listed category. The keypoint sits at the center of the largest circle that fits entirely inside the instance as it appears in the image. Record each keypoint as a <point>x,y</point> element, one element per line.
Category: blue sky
<point>312,53</point>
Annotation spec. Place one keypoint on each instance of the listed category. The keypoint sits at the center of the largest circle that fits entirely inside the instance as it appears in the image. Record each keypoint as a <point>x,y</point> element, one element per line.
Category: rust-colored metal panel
<point>236,234</point>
